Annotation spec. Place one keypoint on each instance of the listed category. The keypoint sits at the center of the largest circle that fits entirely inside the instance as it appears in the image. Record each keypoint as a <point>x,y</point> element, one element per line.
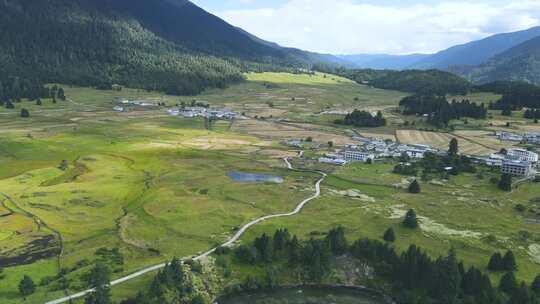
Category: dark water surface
<point>308,295</point>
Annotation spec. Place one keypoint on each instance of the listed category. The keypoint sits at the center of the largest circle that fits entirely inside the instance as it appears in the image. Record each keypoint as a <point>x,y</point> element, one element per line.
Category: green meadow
<point>83,180</point>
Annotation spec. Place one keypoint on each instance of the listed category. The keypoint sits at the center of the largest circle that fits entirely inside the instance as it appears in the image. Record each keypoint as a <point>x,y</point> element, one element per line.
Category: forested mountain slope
<point>521,63</point>
<point>170,45</point>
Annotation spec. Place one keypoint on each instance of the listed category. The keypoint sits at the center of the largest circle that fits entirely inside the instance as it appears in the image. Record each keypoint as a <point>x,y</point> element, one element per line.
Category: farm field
<point>80,182</point>
<point>469,144</point>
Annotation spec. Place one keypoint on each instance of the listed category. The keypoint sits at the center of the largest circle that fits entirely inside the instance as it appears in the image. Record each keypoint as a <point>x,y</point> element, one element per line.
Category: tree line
<point>515,94</point>
<point>363,119</point>
<point>430,82</point>
<point>440,112</point>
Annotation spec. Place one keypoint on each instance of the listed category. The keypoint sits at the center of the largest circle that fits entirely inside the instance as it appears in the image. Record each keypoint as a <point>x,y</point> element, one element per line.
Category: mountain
<point>382,61</point>
<point>520,63</point>
<point>170,45</point>
<point>476,52</point>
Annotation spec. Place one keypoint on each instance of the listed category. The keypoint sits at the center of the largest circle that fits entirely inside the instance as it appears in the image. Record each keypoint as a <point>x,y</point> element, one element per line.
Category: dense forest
<point>432,82</point>
<point>413,276</point>
<point>73,42</point>
<point>362,119</point>
<point>515,95</point>
<point>15,88</point>
<point>172,46</point>
<point>439,111</point>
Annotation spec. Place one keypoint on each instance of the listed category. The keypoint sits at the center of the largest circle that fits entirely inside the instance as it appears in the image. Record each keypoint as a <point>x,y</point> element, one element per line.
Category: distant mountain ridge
<point>382,61</point>
<point>476,52</point>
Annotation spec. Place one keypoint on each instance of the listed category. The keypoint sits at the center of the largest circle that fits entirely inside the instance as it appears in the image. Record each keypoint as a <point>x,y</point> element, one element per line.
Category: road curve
<point>230,242</point>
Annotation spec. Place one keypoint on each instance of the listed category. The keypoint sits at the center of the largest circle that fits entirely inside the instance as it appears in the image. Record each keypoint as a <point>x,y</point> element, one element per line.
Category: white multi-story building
<point>508,136</point>
<point>517,168</point>
<point>352,155</point>
<point>523,155</point>
<point>532,138</point>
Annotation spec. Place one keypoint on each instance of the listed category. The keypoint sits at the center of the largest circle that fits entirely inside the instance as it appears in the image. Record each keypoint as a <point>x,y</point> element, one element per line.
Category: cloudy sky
<point>375,26</point>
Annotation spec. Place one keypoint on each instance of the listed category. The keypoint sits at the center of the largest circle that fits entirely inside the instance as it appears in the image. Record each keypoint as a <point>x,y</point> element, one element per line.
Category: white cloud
<point>343,26</point>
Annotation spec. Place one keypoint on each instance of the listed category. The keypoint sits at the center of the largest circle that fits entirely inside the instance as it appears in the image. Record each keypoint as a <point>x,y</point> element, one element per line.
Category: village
<point>517,162</point>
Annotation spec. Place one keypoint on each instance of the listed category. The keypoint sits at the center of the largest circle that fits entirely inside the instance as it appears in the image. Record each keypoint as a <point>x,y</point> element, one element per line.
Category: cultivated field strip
<point>441,140</point>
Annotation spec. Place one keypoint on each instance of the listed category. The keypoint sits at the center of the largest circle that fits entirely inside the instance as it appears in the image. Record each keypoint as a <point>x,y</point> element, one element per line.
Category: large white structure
<point>517,168</point>
<point>523,155</point>
<point>352,155</point>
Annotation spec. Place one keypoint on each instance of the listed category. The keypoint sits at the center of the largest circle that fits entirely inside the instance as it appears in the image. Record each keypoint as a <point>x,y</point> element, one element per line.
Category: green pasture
<point>456,211</point>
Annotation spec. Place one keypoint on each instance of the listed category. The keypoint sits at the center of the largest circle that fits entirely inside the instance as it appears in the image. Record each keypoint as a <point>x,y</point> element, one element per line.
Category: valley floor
<point>81,182</point>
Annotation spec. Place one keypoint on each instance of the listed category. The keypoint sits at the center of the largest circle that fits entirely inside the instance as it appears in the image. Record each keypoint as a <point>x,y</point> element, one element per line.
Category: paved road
<point>230,242</point>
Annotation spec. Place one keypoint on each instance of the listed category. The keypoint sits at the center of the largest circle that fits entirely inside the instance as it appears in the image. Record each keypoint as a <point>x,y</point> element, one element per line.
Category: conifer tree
<point>389,235</point>
<point>26,286</point>
<point>410,221</point>
<point>508,283</point>
<point>495,262</point>
<point>509,262</point>
<point>414,187</point>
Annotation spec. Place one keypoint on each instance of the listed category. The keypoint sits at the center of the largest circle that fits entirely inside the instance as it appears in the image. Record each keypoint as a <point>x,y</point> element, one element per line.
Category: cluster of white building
<point>369,149</point>
<point>190,112</point>
<point>517,162</point>
<point>531,138</point>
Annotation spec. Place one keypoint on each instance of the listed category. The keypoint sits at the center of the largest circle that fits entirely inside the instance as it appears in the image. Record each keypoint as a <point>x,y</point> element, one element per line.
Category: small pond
<point>307,295</point>
<point>243,177</point>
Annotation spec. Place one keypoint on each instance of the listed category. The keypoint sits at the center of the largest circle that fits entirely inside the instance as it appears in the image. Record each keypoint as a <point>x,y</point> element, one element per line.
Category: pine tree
<point>99,279</point>
<point>535,286</point>
<point>410,221</point>
<point>509,262</point>
<point>414,187</point>
<point>25,113</point>
<point>521,295</point>
<point>453,148</point>
<point>495,262</point>
<point>505,183</point>
<point>26,286</point>
<point>389,235</point>
<point>508,283</point>
<point>61,94</point>
<point>337,241</point>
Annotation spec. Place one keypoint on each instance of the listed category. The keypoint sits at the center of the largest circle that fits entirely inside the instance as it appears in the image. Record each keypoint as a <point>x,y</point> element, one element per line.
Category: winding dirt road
<point>230,242</point>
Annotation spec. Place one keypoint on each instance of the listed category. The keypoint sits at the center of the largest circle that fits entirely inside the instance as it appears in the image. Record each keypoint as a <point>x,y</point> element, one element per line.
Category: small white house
<point>415,153</point>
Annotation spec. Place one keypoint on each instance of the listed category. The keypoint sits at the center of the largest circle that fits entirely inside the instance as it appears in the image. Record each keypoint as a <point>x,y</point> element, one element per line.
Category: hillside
<point>169,45</point>
<point>413,81</point>
<point>476,52</point>
<point>521,63</point>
